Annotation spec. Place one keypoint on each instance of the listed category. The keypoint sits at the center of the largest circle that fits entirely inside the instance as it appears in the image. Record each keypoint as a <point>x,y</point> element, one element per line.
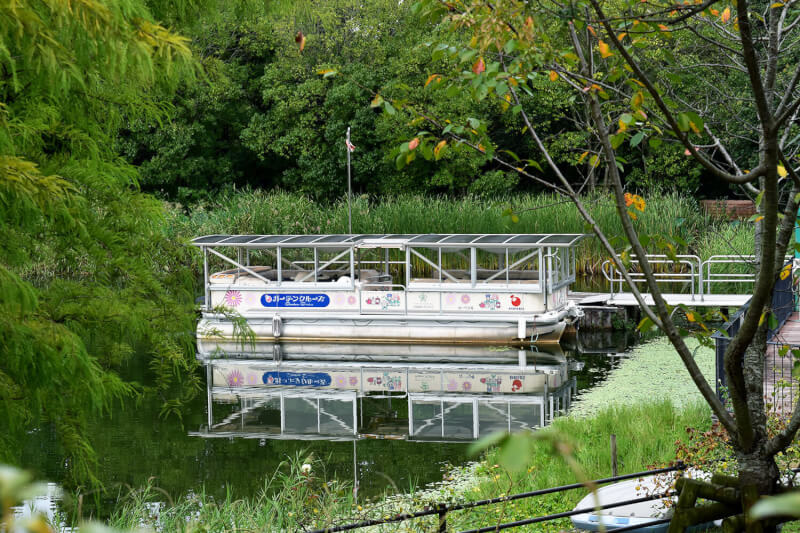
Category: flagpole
<point>349,187</point>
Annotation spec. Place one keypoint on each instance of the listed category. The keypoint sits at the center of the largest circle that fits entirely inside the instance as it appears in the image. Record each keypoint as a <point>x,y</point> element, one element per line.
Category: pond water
<point>385,421</point>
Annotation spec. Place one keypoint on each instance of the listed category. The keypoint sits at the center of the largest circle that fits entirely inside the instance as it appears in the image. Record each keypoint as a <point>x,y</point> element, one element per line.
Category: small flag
<point>350,146</point>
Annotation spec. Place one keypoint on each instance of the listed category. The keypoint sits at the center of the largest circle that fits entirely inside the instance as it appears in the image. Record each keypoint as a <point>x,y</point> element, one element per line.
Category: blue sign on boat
<point>295,300</point>
<point>297,379</point>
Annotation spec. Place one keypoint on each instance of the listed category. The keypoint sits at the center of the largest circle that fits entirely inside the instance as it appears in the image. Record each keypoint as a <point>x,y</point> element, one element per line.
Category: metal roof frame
<point>421,240</point>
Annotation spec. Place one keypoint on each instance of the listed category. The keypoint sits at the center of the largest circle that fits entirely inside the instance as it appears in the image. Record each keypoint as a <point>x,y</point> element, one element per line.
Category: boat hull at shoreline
<point>217,333</point>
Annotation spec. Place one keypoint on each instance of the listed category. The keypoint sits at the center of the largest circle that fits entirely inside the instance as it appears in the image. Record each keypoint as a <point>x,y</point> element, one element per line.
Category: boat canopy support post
<point>473,266</point>
<point>237,264</point>
<point>279,264</point>
<point>205,277</point>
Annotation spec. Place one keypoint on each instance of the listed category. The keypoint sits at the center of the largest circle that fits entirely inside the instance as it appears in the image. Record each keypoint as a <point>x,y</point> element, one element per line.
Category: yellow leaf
<point>582,157</point>
<point>763,317</point>
<point>604,50</point>
<point>726,15</point>
<point>553,75</point>
<point>433,77</point>
<point>439,147</point>
<point>377,101</point>
<point>622,126</point>
<point>759,218</point>
<point>694,127</point>
<point>782,171</point>
<point>632,215</point>
<point>787,270</point>
<point>690,316</point>
<point>621,36</point>
<point>637,100</point>
<point>776,4</point>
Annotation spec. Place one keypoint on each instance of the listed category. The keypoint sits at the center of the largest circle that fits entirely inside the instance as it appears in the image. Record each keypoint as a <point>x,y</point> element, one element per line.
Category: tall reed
<point>272,212</point>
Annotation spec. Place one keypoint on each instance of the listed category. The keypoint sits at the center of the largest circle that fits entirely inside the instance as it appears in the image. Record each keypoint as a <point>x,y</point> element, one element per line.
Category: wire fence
<point>781,388</point>
<point>442,511</point>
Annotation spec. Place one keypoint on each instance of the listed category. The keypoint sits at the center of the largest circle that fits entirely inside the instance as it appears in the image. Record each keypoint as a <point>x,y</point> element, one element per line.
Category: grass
<point>646,436</point>
<point>272,212</point>
<point>294,499</point>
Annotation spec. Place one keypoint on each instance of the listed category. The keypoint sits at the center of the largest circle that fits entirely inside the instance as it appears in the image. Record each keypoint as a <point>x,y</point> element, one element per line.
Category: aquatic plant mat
<point>652,371</point>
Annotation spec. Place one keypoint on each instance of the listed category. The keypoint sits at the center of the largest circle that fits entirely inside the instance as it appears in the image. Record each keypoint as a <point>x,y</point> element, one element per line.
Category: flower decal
<point>233,298</point>
<point>235,379</point>
<point>465,298</point>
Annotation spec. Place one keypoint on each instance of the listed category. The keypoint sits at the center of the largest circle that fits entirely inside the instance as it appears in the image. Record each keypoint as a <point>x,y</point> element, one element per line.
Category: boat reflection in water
<point>353,392</point>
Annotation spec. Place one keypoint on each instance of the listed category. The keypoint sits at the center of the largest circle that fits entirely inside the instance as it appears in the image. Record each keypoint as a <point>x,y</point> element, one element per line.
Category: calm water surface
<point>354,412</point>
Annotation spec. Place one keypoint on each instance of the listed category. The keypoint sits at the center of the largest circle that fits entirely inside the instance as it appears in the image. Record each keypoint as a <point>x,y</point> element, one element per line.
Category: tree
<point>88,276</point>
<point>635,66</point>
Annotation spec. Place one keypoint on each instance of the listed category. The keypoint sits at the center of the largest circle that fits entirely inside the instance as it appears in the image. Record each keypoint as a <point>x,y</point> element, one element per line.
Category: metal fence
<point>442,511</point>
<point>781,387</point>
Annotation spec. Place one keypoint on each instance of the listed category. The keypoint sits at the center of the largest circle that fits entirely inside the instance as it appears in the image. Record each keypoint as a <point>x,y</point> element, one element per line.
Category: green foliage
<point>87,275</point>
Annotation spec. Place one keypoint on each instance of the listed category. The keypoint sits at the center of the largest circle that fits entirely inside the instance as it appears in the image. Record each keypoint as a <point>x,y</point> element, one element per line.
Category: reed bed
<point>668,215</point>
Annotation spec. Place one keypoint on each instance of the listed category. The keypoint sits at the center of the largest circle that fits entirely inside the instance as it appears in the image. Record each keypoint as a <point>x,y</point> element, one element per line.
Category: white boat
<point>411,288</point>
<point>641,514</point>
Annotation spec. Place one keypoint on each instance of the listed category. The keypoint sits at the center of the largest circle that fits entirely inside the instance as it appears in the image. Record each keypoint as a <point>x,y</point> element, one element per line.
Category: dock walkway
<point>780,388</point>
<point>626,299</point>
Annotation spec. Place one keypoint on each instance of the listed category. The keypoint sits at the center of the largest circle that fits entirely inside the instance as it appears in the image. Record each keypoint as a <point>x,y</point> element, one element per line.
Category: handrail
<point>441,510</point>
<point>700,277</point>
<point>692,261</point>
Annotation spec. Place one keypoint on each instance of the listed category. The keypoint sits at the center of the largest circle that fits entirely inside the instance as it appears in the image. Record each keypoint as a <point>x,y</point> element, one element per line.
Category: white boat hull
<point>215,333</point>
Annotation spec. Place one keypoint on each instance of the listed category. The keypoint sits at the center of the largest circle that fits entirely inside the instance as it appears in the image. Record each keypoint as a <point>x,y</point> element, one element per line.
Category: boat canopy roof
<point>413,240</point>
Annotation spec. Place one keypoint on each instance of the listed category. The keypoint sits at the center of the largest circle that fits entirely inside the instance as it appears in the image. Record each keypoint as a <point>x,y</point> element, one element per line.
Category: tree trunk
<point>758,475</point>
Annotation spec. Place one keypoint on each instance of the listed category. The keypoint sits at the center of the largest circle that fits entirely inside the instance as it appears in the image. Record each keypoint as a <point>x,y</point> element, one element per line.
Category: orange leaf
<point>604,50</point>
<point>479,66</point>
<point>481,148</point>
<point>439,147</point>
<point>726,15</point>
<point>621,36</point>
<point>591,30</point>
<point>413,143</point>
<point>433,77</point>
<point>553,75</point>
<point>662,27</point>
<point>300,39</point>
